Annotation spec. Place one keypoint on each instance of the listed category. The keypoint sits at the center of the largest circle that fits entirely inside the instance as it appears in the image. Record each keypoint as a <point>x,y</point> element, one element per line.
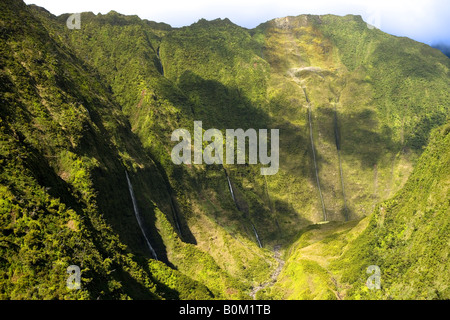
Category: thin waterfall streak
<point>235,203</point>
<point>315,163</point>
<point>138,217</point>
<point>231,190</point>
<point>342,183</point>
<point>160,63</point>
<point>341,172</point>
<point>256,235</point>
<point>175,214</point>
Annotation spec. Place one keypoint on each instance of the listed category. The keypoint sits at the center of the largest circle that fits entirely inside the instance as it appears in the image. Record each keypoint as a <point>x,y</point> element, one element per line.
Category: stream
<point>274,275</point>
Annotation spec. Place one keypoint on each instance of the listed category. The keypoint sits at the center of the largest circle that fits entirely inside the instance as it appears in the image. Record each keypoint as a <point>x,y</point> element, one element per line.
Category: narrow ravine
<point>273,276</point>
<point>277,254</point>
<point>172,198</point>
<point>138,217</point>
<point>314,154</point>
<point>375,184</point>
<point>231,191</point>
<point>291,73</point>
<point>237,206</point>
<point>256,234</point>
<point>175,214</point>
<point>160,63</point>
<point>336,287</point>
<point>341,172</point>
<point>271,206</point>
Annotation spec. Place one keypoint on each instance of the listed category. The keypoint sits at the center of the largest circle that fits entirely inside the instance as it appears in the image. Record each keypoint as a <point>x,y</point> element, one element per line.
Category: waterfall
<point>256,234</point>
<point>336,130</point>
<point>314,155</point>
<point>175,213</point>
<point>234,199</point>
<point>231,191</point>
<point>138,217</point>
<point>338,147</point>
<point>160,63</point>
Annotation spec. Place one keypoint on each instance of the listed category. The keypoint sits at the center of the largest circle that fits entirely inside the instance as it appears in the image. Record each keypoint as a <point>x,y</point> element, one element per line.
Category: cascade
<point>231,191</point>
<point>175,214</point>
<point>314,155</point>
<point>256,235</point>
<point>138,217</point>
<point>160,63</point>
<point>237,206</point>
<point>338,147</point>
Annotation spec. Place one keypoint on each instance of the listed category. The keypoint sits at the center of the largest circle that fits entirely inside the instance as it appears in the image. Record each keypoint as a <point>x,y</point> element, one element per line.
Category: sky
<point>427,21</point>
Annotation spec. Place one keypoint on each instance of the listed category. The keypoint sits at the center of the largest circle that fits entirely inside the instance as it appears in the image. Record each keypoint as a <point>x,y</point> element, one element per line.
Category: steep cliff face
<point>406,238</point>
<point>354,107</point>
<point>65,200</point>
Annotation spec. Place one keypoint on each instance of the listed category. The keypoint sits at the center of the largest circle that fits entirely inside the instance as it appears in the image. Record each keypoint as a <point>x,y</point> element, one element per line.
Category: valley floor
<point>307,271</point>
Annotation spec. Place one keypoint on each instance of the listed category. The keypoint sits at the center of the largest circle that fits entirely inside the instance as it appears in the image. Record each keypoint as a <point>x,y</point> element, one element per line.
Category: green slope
<point>65,147</point>
<point>407,237</point>
<point>86,105</point>
<point>230,77</point>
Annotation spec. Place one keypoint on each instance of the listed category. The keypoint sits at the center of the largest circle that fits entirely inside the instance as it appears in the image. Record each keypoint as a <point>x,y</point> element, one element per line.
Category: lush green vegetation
<point>406,237</point>
<point>79,107</point>
<point>62,136</point>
